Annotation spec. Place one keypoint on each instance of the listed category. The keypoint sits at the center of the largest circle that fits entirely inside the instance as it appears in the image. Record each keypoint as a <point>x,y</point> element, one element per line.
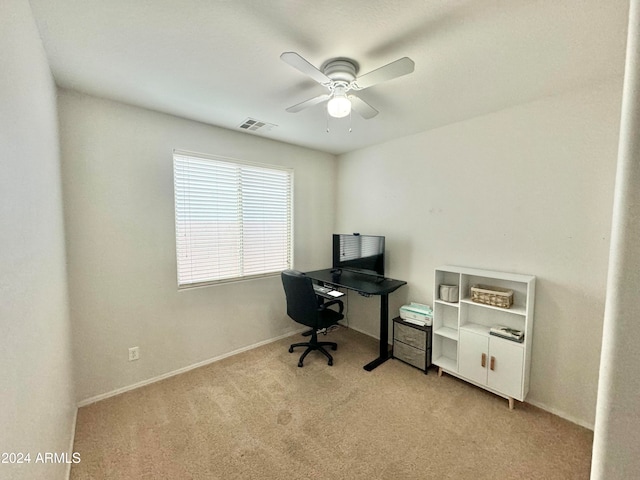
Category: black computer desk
<point>366,285</point>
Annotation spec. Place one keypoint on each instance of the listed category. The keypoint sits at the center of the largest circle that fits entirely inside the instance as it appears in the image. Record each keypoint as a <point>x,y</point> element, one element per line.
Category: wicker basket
<point>494,296</point>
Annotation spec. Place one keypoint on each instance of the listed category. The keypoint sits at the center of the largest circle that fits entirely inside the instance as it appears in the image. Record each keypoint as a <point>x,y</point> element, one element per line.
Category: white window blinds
<point>233,220</point>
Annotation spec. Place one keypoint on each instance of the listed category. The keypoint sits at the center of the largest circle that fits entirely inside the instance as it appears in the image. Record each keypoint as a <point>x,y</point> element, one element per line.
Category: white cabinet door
<point>473,348</point>
<point>505,362</point>
<point>492,361</point>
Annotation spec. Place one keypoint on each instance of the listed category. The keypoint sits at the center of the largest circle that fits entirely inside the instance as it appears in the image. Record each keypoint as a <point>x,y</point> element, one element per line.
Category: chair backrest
<point>302,304</point>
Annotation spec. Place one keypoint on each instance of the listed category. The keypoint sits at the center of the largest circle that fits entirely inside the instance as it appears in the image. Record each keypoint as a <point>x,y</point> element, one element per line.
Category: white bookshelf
<point>462,345</point>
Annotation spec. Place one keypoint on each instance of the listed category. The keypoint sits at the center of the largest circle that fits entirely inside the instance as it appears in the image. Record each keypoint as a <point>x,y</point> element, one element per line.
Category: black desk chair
<point>303,307</point>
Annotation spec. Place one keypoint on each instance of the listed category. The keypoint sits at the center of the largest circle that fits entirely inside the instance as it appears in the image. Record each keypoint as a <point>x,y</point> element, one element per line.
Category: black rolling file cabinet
<point>412,344</point>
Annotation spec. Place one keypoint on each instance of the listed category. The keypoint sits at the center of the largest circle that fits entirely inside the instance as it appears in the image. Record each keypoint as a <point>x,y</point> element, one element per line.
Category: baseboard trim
<point>561,414</point>
<point>72,441</point>
<point>118,391</point>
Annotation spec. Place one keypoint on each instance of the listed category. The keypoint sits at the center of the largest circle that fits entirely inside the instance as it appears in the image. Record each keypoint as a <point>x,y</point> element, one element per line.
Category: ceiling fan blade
<point>392,70</point>
<point>309,103</point>
<point>296,61</point>
<point>361,107</point>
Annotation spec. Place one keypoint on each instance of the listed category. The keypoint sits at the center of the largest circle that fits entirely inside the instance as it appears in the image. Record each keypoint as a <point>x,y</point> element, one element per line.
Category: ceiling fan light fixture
<point>339,105</point>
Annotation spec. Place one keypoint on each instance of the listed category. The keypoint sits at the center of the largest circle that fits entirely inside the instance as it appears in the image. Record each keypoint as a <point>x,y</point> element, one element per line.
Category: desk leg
<point>384,335</point>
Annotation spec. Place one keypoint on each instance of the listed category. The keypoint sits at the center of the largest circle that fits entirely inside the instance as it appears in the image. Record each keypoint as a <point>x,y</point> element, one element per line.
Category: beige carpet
<point>258,416</point>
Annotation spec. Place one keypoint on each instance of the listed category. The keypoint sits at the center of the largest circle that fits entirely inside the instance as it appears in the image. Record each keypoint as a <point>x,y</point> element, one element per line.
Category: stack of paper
<point>415,321</point>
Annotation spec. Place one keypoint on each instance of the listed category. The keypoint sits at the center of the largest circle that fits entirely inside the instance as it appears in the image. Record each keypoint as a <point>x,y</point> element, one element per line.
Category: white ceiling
<point>217,61</point>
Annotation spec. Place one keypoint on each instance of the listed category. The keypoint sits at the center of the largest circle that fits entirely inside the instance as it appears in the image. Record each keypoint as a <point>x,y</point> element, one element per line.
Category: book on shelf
<point>508,333</point>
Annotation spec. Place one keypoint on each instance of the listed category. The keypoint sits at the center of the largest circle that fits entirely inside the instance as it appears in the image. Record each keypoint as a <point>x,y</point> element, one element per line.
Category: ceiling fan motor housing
<point>341,70</point>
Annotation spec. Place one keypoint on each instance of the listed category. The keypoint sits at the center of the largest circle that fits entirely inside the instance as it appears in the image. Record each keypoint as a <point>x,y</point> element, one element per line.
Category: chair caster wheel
<point>330,363</point>
<point>334,348</point>
<point>300,364</point>
<point>290,349</point>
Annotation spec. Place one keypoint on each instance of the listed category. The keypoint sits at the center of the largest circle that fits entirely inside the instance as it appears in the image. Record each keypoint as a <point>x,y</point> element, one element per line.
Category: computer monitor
<point>359,253</point>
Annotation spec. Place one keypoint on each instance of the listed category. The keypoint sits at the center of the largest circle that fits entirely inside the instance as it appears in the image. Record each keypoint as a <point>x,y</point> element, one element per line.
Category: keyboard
<point>321,290</point>
<point>326,291</point>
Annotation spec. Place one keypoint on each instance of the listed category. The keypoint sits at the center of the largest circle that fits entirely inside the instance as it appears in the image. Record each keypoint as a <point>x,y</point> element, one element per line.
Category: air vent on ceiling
<point>252,124</point>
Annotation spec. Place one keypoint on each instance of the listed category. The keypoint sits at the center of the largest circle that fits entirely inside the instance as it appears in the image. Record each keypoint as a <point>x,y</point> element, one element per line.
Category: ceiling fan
<point>339,77</point>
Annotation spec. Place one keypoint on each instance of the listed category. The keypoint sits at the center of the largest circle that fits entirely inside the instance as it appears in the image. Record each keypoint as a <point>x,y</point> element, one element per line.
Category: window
<point>234,220</point>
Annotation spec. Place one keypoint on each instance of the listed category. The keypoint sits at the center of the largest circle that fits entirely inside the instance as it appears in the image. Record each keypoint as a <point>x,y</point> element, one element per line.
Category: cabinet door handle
<point>483,362</point>
<point>492,365</point>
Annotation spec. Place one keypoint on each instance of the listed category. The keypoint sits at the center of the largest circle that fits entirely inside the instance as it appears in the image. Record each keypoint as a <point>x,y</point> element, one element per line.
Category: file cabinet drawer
<point>412,336</point>
<point>409,354</point>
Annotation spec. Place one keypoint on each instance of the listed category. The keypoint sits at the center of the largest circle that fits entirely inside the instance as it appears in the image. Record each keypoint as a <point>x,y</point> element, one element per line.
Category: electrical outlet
<point>134,353</point>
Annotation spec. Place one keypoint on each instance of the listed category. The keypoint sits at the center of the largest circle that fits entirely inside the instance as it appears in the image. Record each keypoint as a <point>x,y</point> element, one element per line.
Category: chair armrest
<point>333,302</point>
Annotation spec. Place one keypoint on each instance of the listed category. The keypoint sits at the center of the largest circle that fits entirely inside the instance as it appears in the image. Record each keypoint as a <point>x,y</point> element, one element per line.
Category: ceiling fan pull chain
<point>350,116</point>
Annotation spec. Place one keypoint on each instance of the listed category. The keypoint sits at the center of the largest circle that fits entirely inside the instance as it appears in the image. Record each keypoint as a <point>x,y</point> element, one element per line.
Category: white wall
<point>119,210</point>
<point>527,189</point>
<point>37,406</point>
<point>617,426</point>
